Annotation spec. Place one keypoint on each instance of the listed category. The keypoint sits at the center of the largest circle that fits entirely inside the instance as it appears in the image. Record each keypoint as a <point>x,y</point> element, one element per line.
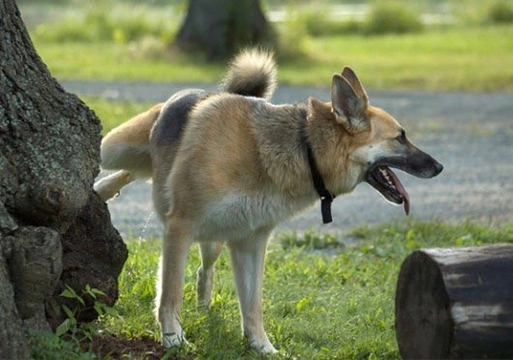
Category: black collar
<point>324,194</point>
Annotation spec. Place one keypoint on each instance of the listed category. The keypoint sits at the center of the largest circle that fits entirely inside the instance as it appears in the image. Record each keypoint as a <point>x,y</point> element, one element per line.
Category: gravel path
<point>471,134</point>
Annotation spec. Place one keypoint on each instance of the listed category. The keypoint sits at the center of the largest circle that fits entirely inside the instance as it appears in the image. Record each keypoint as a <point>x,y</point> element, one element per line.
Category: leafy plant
<point>70,336</point>
<point>48,346</point>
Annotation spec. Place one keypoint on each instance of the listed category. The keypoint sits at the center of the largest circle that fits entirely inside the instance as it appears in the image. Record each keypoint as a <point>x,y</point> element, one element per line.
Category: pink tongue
<point>400,188</point>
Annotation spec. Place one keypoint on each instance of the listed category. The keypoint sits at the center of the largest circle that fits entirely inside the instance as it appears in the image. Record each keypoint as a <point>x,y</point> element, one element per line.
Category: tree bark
<point>49,156</point>
<point>93,254</point>
<point>220,28</point>
<point>456,304</point>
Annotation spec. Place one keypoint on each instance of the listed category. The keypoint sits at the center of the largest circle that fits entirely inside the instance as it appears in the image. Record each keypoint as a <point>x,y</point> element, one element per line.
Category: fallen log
<point>456,303</point>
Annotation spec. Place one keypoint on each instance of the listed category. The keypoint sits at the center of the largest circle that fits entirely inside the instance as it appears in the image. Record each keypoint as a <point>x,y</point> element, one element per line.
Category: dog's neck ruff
<point>318,181</point>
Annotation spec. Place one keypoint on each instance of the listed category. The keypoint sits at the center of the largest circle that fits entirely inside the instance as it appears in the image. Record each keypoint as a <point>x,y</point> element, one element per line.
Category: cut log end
<point>456,303</point>
<point>423,323</point>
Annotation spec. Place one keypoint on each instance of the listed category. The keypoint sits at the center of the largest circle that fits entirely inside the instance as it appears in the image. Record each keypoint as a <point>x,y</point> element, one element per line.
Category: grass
<point>456,59</point>
<point>318,305</point>
<point>476,58</point>
<point>114,61</point>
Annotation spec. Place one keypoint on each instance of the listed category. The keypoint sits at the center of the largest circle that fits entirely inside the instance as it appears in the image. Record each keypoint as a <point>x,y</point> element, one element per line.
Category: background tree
<point>54,230</point>
<point>219,28</point>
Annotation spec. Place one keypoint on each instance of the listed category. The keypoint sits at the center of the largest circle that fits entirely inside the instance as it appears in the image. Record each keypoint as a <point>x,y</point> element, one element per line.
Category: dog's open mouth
<point>387,183</point>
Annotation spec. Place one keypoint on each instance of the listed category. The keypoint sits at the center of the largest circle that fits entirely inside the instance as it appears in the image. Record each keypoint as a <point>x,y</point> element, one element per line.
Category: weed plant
<point>70,337</point>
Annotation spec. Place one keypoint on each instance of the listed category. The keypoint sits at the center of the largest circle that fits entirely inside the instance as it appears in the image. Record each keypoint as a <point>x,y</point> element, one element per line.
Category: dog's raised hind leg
<point>205,281</point>
<point>110,185</point>
<point>170,288</point>
<point>248,265</point>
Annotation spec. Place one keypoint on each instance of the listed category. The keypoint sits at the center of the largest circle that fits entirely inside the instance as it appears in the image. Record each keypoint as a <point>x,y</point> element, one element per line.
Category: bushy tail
<point>251,73</point>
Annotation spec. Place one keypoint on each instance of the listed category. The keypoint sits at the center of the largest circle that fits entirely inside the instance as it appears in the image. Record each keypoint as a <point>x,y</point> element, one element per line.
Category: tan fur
<point>239,169</point>
<point>129,140</point>
<point>126,148</point>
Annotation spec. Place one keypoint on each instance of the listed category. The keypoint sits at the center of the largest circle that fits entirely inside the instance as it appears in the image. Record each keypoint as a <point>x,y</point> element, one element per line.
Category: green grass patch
<point>475,58</point>
<point>114,61</point>
<point>318,305</point>
<point>472,59</point>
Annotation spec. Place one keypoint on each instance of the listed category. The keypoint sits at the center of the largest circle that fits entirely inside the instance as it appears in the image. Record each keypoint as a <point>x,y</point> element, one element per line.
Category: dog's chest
<point>238,216</point>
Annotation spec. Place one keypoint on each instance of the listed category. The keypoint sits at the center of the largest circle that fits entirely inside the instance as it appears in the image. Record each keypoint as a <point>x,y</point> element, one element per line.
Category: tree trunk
<point>49,156</point>
<point>220,28</point>
<point>456,303</point>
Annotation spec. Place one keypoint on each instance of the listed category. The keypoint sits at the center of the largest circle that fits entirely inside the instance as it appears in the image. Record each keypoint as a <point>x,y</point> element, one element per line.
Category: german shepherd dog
<point>227,167</point>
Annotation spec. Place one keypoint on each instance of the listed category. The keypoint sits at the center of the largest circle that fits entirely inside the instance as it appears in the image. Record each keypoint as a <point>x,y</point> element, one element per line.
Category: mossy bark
<point>49,156</point>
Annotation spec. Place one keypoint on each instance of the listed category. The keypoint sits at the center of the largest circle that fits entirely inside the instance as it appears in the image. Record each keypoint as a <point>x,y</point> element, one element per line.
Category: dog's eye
<point>402,138</point>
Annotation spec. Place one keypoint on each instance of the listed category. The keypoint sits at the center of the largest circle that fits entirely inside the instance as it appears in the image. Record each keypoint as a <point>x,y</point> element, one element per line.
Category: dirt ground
<point>116,348</point>
<point>471,134</point>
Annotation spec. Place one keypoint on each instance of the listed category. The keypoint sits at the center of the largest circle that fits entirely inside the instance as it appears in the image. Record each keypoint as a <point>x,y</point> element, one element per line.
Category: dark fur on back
<point>174,114</point>
<point>251,73</point>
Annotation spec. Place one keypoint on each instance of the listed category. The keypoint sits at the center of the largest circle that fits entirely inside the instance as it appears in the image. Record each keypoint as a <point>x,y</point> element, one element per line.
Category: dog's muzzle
<point>384,180</point>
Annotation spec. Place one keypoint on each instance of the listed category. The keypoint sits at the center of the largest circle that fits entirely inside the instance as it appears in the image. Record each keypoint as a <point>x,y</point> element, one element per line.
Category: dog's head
<point>372,140</point>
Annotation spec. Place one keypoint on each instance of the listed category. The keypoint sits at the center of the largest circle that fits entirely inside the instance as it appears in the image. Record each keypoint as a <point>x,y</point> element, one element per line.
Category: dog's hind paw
<point>174,340</point>
<point>109,186</point>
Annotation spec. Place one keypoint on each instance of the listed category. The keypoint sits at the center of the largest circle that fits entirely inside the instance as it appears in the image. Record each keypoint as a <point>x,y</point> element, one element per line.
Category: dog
<point>228,166</point>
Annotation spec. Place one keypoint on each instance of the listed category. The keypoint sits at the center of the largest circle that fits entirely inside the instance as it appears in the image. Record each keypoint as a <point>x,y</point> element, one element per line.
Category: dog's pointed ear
<point>347,106</point>
<point>351,77</point>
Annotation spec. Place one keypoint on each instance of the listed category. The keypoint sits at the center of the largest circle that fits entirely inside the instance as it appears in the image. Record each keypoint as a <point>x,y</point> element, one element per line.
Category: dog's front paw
<point>263,347</point>
<point>174,340</point>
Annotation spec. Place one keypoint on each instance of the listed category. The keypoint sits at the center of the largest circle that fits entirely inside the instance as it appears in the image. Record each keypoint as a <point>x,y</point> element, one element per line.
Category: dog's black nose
<point>438,168</point>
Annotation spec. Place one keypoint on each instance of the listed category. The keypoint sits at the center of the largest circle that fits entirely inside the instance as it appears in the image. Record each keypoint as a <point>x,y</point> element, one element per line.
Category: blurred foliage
<point>293,39</point>
<point>392,17</point>
<point>102,21</point>
<point>500,12</point>
<point>481,12</point>
<point>318,20</point>
<point>77,2</point>
<point>125,21</point>
<point>145,32</point>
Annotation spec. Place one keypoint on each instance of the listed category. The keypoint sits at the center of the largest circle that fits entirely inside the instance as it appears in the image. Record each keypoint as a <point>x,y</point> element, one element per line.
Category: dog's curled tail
<point>251,73</point>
